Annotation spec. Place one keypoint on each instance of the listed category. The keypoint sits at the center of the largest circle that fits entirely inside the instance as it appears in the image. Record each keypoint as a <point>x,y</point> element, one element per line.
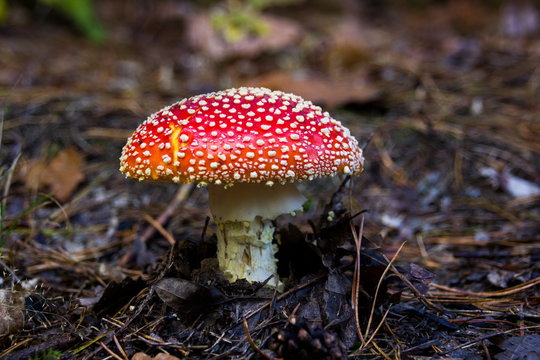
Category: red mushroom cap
<point>251,135</point>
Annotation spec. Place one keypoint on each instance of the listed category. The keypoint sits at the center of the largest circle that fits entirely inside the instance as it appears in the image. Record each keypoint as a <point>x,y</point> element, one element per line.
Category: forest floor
<point>445,216</point>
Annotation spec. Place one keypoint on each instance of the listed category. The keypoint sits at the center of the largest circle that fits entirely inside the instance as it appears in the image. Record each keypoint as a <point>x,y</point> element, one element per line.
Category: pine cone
<point>303,340</point>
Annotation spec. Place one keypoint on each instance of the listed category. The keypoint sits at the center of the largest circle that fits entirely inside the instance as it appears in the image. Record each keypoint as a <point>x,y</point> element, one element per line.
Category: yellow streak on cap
<point>175,141</point>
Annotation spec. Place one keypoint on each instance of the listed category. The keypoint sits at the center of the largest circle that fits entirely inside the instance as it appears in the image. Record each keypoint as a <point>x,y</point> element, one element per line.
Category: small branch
<point>110,351</point>
<point>62,341</point>
<point>503,292</point>
<point>120,348</point>
<point>252,343</point>
<point>180,197</point>
<point>160,229</point>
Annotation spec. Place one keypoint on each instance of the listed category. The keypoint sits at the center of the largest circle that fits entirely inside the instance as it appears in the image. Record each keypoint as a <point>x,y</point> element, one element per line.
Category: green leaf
<point>81,13</point>
<point>3,10</point>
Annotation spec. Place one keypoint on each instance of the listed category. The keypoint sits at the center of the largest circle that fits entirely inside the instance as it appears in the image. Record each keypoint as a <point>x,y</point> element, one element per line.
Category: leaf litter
<point>432,251</point>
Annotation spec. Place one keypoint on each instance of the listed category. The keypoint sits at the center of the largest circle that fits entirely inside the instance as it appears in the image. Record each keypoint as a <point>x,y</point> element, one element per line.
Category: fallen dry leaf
<point>173,291</point>
<point>161,356</point>
<point>420,278</point>
<point>60,175</point>
<point>177,292</point>
<point>280,34</point>
<point>141,356</point>
<point>330,92</point>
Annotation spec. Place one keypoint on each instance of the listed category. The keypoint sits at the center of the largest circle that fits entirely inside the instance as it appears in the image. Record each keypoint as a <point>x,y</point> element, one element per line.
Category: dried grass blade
<point>252,343</point>
<point>355,291</point>
<point>388,267</point>
<point>504,292</point>
<point>112,353</point>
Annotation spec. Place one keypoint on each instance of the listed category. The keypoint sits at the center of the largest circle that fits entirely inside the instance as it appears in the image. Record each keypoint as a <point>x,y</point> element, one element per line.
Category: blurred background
<point>447,92</point>
<point>443,95</point>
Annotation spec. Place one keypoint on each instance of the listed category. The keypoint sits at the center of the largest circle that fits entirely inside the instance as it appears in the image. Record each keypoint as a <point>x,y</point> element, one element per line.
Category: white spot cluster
<point>252,135</point>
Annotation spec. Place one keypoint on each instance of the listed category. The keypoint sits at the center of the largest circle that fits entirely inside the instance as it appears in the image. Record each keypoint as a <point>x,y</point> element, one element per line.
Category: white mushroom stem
<point>243,214</point>
<point>245,250</point>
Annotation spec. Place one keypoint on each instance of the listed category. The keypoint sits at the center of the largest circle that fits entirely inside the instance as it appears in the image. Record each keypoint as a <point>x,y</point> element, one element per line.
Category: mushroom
<point>249,145</point>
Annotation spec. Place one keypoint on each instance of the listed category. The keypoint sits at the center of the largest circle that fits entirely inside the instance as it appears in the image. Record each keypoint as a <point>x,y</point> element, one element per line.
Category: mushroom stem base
<point>246,251</point>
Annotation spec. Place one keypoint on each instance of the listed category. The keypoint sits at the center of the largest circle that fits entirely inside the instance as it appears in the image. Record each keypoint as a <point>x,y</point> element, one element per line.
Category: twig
<point>293,313</point>
<point>388,267</point>
<point>376,331</point>
<point>486,350</point>
<point>140,308</point>
<point>180,197</point>
<point>203,233</point>
<point>482,338</point>
<point>107,337</point>
<point>160,229</point>
<point>252,343</point>
<point>421,346</point>
<point>144,337</point>
<point>119,347</point>
<point>110,351</point>
<point>86,345</point>
<point>366,144</point>
<point>57,342</point>
<point>4,353</point>
<point>156,342</point>
<point>219,338</point>
<point>504,292</point>
<point>8,269</point>
<point>385,355</point>
<point>366,335</point>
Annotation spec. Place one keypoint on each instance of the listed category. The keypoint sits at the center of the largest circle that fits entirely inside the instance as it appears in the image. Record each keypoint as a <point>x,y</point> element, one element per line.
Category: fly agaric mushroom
<point>249,145</point>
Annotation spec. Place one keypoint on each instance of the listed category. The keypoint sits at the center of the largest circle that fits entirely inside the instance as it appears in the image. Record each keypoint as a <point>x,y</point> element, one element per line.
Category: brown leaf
<point>174,292</point>
<point>161,356</point>
<point>60,176</point>
<point>280,34</point>
<point>177,293</point>
<point>330,92</point>
<point>420,278</point>
<point>141,356</point>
